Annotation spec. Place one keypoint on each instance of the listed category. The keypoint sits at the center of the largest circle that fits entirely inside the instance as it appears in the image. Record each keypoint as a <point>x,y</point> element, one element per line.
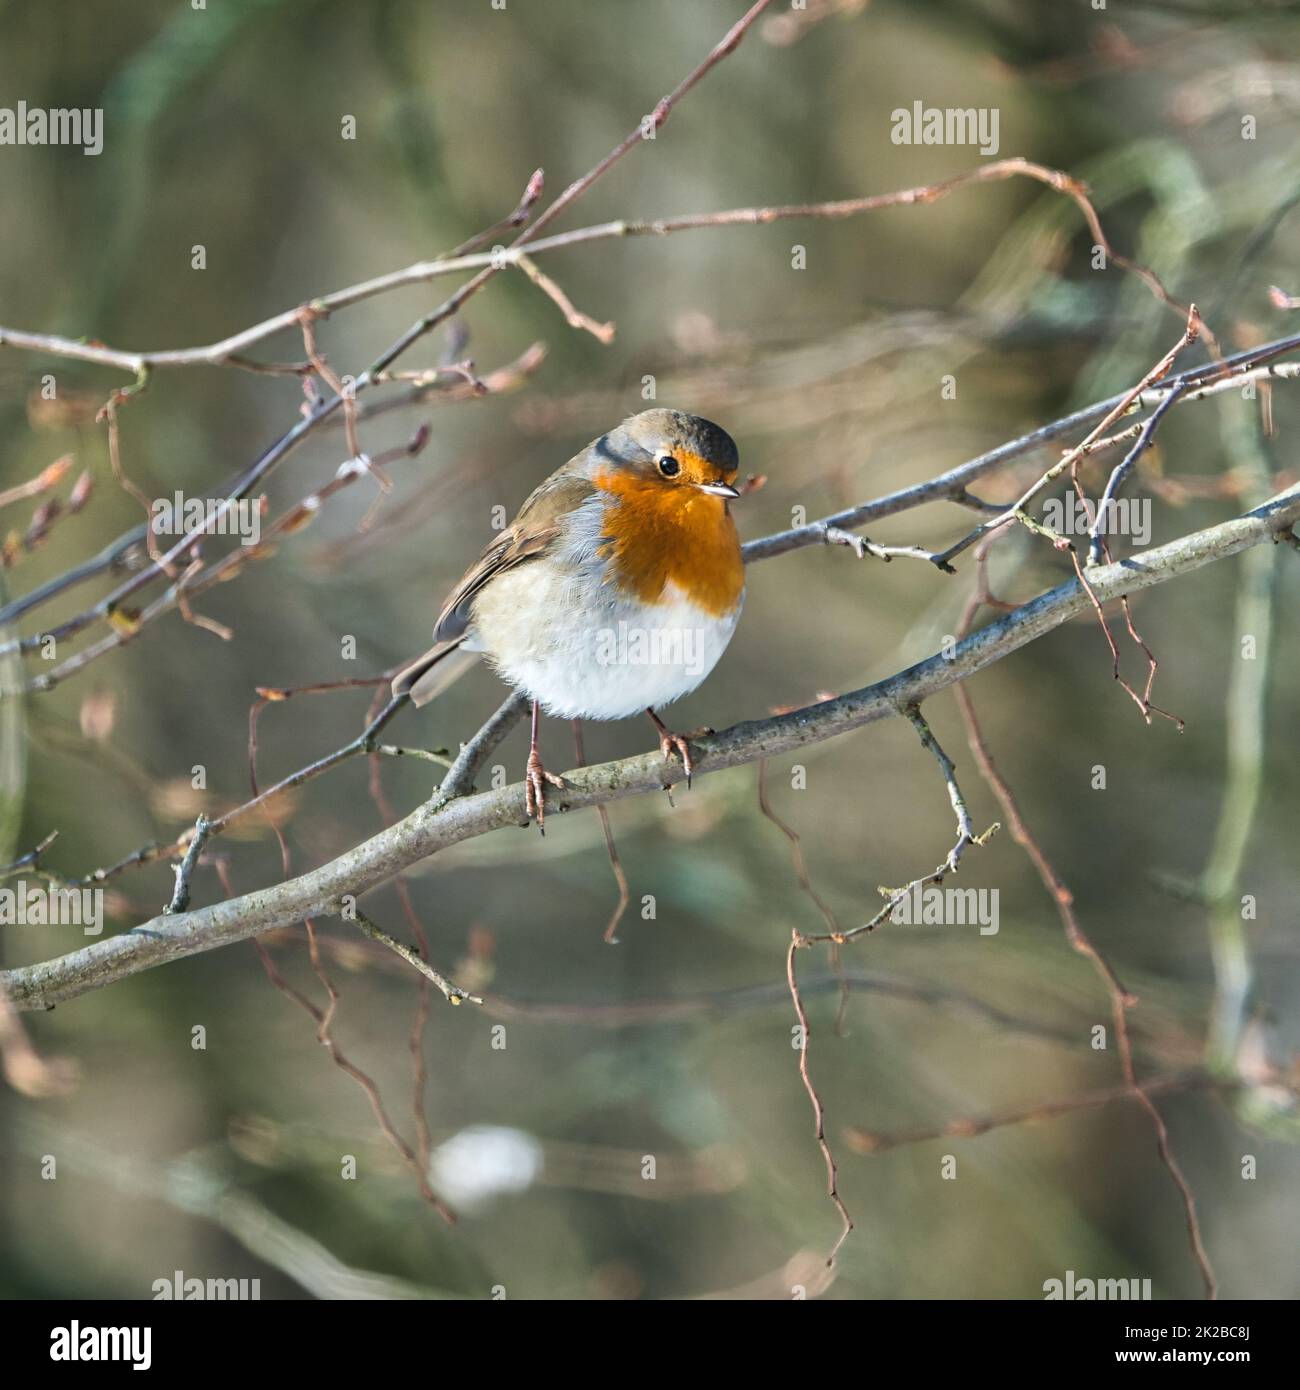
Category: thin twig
<point>1123,467</point>
<point>49,477</point>
<point>1121,999</point>
<point>611,849</point>
<point>864,1141</point>
<point>952,484</point>
<point>1071,457</point>
<point>574,317</point>
<point>225,352</point>
<point>180,900</point>
<point>442,822</point>
<point>804,877</point>
<point>460,776</point>
<point>452,993</point>
<point>965,827</point>
<point>450,307</point>
<point>815,1100</point>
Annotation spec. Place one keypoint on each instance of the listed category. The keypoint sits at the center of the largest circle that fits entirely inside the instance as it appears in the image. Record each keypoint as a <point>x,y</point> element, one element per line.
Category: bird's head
<point>673,449</point>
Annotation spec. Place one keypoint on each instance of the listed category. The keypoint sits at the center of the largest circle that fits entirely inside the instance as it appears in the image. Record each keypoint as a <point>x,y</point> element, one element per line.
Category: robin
<point>614,591</point>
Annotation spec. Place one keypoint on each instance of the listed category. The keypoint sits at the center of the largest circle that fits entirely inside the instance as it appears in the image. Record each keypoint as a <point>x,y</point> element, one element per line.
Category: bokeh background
<point>223,129</point>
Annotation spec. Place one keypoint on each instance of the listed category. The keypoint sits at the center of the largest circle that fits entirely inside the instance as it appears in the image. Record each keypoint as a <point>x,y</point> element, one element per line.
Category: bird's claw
<point>670,743</point>
<point>535,779</point>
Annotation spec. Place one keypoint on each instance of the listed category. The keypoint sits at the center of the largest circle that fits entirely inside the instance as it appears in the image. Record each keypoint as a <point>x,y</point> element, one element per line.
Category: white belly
<point>596,654</point>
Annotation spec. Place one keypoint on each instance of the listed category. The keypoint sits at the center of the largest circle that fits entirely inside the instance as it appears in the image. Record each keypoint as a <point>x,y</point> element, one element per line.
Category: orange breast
<point>664,534</point>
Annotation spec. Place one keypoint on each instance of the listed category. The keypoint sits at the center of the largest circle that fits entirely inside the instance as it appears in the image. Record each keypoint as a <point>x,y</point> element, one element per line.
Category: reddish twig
<point>611,849</point>
<point>864,1141</point>
<point>415,1041</point>
<point>819,1110</point>
<point>324,1018</point>
<point>1121,999</point>
<point>45,481</point>
<point>802,873</point>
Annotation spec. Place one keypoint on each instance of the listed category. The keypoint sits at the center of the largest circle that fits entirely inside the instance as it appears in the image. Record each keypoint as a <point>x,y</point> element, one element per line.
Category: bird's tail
<point>432,673</point>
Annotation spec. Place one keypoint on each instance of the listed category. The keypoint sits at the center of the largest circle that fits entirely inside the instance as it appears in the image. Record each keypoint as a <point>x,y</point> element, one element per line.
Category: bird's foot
<point>535,779</point>
<point>670,743</point>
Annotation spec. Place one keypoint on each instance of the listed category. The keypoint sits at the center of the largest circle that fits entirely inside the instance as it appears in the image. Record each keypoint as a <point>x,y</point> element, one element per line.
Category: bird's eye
<point>668,466</point>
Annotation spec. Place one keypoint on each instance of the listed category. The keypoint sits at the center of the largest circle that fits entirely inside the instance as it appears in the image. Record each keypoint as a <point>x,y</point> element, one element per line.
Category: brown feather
<point>532,531</point>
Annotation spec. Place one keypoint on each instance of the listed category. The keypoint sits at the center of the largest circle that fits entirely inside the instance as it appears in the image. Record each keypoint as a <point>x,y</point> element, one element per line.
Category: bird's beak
<point>718,489</point>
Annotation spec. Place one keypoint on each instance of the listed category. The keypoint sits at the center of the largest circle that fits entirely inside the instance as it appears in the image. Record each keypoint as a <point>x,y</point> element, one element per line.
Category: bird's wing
<point>538,524</point>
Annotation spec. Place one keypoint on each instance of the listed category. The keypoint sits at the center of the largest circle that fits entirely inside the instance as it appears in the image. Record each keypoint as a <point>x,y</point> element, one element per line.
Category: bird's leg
<point>670,743</point>
<point>536,778</point>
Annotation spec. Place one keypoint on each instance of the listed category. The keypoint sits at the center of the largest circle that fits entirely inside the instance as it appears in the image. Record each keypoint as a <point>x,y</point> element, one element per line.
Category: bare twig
<point>442,822</point>
<point>49,477</point>
<point>452,993</point>
<point>815,1100</point>
<point>862,546</point>
<point>226,351</point>
<point>1121,999</point>
<point>574,317</point>
<point>494,264</point>
<point>800,861</point>
<point>1070,459</point>
<point>30,860</point>
<point>611,849</point>
<point>323,1019</point>
<point>180,899</point>
<point>1123,467</point>
<point>460,776</point>
<point>965,828</point>
<point>127,553</point>
<point>864,1141</point>
<point>125,624</point>
<point>796,852</point>
<point>952,484</point>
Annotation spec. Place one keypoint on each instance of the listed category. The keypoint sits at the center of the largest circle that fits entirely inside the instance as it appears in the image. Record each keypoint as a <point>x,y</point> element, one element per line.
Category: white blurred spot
<point>482,1163</point>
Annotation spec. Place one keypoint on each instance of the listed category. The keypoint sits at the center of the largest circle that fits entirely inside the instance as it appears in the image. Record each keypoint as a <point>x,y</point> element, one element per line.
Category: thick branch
<point>437,824</point>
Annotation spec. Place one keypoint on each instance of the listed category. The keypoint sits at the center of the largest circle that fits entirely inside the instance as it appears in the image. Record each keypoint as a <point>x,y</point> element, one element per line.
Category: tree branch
<point>1193,384</point>
<point>438,824</point>
<point>227,351</point>
<point>375,372</point>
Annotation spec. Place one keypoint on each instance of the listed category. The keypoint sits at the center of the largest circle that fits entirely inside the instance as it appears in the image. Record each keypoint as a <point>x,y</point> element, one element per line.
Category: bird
<point>614,591</point>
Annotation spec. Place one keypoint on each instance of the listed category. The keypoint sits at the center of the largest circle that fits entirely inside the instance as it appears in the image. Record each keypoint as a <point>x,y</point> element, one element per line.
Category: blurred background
<point>224,129</point>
